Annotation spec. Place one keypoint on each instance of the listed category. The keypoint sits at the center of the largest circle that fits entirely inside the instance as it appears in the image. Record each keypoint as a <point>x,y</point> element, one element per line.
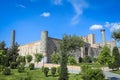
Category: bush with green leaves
<point>46,70</point>
<point>87,59</point>
<point>94,60</point>
<point>13,65</point>
<point>71,60</point>
<point>38,57</point>
<point>55,58</point>
<point>20,59</point>
<point>93,74</point>
<point>6,71</point>
<point>31,66</point>
<point>29,58</point>
<point>1,68</point>
<point>53,71</point>
<point>58,70</point>
<point>21,68</point>
<point>80,60</point>
<point>84,68</point>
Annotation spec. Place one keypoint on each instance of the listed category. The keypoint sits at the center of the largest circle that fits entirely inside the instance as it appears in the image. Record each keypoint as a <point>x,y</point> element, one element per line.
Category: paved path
<point>76,70</point>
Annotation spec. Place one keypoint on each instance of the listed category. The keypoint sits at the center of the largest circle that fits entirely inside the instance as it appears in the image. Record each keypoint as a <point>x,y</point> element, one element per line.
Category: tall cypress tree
<point>115,64</point>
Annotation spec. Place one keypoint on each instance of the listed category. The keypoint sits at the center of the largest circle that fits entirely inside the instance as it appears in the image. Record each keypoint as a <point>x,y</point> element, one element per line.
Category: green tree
<point>55,58</point>
<point>2,45</point>
<point>38,57</point>
<point>115,64</point>
<point>104,57</point>
<point>116,35</point>
<point>12,53</point>
<point>68,44</point>
<point>29,58</point>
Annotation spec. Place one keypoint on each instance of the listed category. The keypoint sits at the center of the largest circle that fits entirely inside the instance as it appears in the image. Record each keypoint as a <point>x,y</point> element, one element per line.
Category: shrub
<point>58,70</point>
<point>80,60</point>
<point>6,71</point>
<point>29,58</point>
<point>31,66</point>
<point>87,59</point>
<point>93,74</point>
<point>95,60</point>
<point>1,68</point>
<point>13,65</point>
<point>21,68</point>
<point>84,68</point>
<point>53,71</point>
<point>46,70</point>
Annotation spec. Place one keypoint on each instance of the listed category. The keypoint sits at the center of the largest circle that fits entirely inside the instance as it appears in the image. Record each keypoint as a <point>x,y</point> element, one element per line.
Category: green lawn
<point>35,74</point>
<point>117,72</point>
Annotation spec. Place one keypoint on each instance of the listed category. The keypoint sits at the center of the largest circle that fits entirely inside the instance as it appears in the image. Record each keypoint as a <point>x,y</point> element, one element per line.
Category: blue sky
<point>81,17</point>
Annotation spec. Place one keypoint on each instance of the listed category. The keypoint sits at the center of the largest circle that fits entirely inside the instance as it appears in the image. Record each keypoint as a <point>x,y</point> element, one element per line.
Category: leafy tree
<point>104,57</point>
<point>115,64</point>
<point>116,35</point>
<point>12,53</point>
<point>55,58</point>
<point>29,58</point>
<point>68,44</point>
<point>2,45</point>
<point>38,57</point>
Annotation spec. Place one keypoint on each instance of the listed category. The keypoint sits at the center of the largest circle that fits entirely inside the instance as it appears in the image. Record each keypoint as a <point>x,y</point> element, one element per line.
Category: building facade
<point>48,45</point>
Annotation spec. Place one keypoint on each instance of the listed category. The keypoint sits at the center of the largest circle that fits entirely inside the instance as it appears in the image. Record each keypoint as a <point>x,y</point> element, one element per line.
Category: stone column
<point>43,45</point>
<point>103,36</point>
<point>13,38</point>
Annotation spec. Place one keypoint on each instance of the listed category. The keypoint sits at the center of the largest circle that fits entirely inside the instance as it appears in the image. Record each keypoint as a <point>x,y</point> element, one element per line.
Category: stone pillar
<point>13,38</point>
<point>103,36</point>
<point>43,45</point>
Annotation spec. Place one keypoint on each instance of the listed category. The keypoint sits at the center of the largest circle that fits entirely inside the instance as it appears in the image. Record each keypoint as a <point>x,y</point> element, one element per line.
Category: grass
<point>36,74</point>
<point>117,72</point>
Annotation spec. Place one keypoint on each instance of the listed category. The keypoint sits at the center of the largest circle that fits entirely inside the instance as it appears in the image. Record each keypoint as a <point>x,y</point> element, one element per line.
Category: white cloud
<point>21,5</point>
<point>45,14</point>
<point>113,26</point>
<point>57,2</point>
<point>78,6</point>
<point>96,27</point>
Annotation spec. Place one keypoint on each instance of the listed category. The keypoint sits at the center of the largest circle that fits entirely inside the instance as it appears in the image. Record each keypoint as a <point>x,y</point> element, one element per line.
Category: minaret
<point>103,36</point>
<point>13,38</point>
<point>43,45</point>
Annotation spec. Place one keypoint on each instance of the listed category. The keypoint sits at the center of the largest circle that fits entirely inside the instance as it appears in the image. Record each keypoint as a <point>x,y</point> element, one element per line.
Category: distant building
<point>48,45</point>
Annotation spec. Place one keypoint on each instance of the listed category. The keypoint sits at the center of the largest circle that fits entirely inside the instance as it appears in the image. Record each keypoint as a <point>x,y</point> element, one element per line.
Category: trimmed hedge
<point>31,66</point>
<point>13,65</point>
<point>46,70</point>
<point>53,71</point>
<point>6,71</point>
<point>21,68</point>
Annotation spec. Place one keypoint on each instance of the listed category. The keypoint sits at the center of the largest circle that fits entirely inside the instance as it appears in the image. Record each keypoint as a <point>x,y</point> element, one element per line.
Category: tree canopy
<point>116,34</point>
<point>68,44</point>
<point>104,56</point>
